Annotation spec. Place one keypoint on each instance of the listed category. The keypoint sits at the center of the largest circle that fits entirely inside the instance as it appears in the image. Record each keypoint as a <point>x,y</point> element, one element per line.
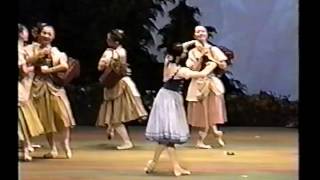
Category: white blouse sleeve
<point>106,56</point>
<point>218,54</point>
<point>21,58</point>
<point>122,54</point>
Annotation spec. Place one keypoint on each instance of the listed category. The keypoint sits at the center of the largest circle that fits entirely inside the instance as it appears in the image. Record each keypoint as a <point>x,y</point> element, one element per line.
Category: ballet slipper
<point>150,166</point>
<point>126,145</point>
<point>51,155</point>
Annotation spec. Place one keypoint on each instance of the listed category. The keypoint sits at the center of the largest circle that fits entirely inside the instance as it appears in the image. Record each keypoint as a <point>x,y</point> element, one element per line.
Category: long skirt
<point>52,105</point>
<point>207,112</point>
<point>29,124</point>
<point>119,106</point>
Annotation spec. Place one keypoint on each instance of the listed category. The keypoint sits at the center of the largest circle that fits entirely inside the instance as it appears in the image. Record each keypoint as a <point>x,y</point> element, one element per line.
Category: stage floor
<point>260,154</point>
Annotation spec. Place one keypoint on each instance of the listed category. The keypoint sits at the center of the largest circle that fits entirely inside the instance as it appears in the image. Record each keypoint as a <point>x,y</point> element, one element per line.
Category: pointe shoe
<point>185,172</point>
<point>35,146</point>
<point>150,166</point>
<point>218,135</point>
<point>203,146</point>
<point>110,133</point>
<point>67,150</point>
<point>30,149</point>
<point>177,173</point>
<point>127,145</point>
<point>68,153</point>
<point>221,142</point>
<point>51,155</point>
<point>180,171</point>
<point>27,158</point>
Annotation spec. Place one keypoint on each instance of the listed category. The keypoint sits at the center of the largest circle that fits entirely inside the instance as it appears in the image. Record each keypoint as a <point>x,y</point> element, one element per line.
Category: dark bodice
<point>174,85</point>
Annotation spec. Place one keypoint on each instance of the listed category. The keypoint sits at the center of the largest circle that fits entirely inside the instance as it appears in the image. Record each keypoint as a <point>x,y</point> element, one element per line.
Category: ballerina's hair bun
<point>175,49</point>
<point>117,35</point>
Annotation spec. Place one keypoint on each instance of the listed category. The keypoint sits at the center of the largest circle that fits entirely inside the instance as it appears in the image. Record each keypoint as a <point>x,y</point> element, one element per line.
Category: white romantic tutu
<point>167,121</point>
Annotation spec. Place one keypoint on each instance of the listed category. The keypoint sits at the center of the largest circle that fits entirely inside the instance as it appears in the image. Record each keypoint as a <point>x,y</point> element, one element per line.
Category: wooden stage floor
<point>261,153</point>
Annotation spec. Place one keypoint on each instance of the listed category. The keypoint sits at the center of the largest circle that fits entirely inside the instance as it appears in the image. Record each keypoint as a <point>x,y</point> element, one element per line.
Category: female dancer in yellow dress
<point>29,124</point>
<point>122,102</point>
<point>50,100</point>
<point>206,106</point>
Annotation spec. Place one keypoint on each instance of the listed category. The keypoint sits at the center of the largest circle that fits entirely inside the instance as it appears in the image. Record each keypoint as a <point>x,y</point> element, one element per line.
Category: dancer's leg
<point>218,134</point>
<point>152,163</point>
<point>26,153</point>
<point>177,169</point>
<point>122,131</point>
<point>66,132</point>
<point>204,132</point>
<point>54,152</point>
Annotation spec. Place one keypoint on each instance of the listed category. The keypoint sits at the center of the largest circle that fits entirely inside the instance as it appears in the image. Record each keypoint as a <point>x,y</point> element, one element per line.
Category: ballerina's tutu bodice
<point>174,85</point>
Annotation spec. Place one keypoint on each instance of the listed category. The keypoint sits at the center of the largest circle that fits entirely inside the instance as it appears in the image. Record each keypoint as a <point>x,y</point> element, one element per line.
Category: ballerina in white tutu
<point>167,122</point>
